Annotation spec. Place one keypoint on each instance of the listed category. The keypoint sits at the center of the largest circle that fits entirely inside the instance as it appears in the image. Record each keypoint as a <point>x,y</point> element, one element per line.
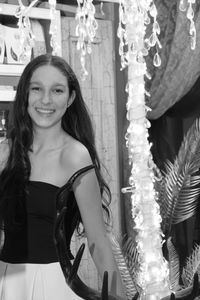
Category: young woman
<point>51,142</point>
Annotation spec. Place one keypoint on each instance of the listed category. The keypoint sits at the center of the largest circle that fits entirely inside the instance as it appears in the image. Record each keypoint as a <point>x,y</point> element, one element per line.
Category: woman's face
<point>48,97</point>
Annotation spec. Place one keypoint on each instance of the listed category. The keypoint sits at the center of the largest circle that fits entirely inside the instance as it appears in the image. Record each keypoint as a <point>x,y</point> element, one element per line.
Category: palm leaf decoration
<point>131,256</point>
<point>126,257</point>
<point>179,189</point>
<point>192,267</point>
<point>174,266</point>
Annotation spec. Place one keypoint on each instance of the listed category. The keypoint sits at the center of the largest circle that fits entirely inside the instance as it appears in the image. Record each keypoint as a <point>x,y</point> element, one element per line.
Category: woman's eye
<point>35,88</point>
<point>58,91</point>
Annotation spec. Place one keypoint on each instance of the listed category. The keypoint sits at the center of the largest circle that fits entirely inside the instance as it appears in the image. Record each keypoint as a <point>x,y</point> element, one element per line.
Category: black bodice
<point>33,240</point>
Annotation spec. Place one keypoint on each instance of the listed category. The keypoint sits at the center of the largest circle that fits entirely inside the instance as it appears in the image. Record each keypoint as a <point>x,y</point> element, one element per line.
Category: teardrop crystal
<point>157,60</point>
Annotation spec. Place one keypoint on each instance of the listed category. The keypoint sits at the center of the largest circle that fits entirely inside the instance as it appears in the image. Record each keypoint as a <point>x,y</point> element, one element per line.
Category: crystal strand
<point>85,30</point>
<point>53,28</point>
<point>192,31</point>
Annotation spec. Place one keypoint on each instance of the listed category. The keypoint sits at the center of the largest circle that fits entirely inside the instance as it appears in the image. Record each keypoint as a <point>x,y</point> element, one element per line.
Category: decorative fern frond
<point>132,257</point>
<point>187,205</point>
<point>189,150</point>
<point>174,266</point>
<point>181,185</point>
<point>192,266</point>
<point>129,281</point>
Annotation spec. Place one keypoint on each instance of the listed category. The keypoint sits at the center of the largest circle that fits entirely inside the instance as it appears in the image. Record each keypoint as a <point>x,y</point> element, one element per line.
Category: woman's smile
<point>45,111</point>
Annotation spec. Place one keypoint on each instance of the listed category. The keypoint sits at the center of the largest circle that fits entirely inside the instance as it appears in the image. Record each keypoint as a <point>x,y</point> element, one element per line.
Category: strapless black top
<point>34,241</point>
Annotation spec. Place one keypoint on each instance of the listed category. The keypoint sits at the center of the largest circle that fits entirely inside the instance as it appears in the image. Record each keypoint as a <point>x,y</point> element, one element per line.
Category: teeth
<point>45,111</point>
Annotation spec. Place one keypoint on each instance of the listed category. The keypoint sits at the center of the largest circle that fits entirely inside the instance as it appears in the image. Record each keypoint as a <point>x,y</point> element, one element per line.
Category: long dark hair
<point>76,122</point>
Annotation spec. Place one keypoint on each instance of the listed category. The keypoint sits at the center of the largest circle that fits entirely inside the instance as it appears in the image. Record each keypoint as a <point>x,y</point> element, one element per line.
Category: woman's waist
<point>29,245</point>
<point>13,253</point>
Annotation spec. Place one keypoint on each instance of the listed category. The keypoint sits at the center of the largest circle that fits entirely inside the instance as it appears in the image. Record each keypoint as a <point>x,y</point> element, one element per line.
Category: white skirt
<point>34,282</point>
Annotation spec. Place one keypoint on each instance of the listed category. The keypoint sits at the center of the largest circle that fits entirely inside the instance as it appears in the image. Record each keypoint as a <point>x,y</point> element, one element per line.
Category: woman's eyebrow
<point>34,82</point>
<point>54,84</point>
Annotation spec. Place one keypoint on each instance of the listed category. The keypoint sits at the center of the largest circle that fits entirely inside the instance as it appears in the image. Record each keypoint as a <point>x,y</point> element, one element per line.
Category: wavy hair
<point>76,122</point>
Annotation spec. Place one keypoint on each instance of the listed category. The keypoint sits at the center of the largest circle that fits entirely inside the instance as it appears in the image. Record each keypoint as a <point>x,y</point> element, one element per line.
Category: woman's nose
<point>46,98</point>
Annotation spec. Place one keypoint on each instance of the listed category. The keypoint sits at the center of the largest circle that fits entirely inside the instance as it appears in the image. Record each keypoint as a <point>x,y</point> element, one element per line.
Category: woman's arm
<point>87,193</point>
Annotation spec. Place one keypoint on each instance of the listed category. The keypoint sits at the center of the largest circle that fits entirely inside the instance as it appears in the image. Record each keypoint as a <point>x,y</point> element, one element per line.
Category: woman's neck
<point>49,139</point>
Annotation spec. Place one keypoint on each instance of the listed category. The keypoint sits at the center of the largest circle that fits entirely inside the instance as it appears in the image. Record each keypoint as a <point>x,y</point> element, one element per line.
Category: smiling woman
<point>52,141</point>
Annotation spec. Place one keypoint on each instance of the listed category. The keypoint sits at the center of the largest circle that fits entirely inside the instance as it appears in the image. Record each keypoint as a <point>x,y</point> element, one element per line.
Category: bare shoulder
<point>76,156</point>
<point>4,152</point>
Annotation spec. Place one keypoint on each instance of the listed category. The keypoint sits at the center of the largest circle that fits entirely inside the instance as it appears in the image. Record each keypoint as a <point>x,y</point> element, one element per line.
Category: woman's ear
<point>71,98</point>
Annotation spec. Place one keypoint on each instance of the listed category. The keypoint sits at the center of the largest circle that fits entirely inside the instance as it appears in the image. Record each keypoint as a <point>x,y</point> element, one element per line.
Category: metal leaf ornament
<point>174,266</point>
<point>180,188</point>
<point>192,266</point>
<point>187,294</point>
<point>127,261</point>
